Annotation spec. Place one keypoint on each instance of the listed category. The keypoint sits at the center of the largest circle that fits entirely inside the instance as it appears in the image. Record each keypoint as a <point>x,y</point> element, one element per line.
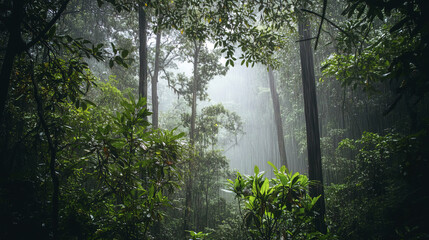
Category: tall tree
<point>155,102</point>
<point>277,118</point>
<point>142,52</point>
<point>188,200</point>
<point>311,120</point>
<point>205,67</point>
<point>197,46</point>
<point>13,48</point>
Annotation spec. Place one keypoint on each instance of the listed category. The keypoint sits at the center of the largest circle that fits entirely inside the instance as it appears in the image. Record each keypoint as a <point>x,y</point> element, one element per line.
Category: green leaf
<point>255,187</point>
<point>272,165</point>
<point>113,48</point>
<point>90,102</point>
<point>283,179</point>
<point>265,186</point>
<point>314,200</point>
<point>295,178</point>
<point>256,170</point>
<point>124,53</point>
<point>118,144</point>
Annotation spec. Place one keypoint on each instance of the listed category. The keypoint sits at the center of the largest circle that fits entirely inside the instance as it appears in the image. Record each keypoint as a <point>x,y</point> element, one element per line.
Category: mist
<point>141,120</point>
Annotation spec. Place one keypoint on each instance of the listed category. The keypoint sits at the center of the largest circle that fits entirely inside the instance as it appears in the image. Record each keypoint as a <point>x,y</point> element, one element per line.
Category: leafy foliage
<point>84,164</point>
<point>373,202</point>
<point>370,64</point>
<point>112,171</point>
<point>208,67</point>
<point>209,166</point>
<point>117,187</point>
<point>198,235</point>
<point>213,121</point>
<point>282,210</point>
<point>384,42</point>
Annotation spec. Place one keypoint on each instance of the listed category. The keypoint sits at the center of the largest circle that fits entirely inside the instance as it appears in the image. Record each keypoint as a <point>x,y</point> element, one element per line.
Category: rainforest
<point>214,119</point>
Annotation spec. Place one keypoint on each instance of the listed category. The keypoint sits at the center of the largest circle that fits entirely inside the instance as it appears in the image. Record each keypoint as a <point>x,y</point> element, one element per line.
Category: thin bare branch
<point>329,21</point>
<point>325,3</point>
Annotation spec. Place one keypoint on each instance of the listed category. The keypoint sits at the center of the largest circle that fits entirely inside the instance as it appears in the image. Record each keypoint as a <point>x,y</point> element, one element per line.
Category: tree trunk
<point>14,47</point>
<point>197,48</point>
<point>142,53</point>
<point>188,199</point>
<point>155,82</point>
<point>311,121</point>
<point>207,204</point>
<point>277,119</point>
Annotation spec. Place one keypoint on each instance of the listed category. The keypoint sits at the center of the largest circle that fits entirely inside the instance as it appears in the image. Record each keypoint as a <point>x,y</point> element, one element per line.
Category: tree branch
<point>325,3</point>
<point>329,21</point>
<point>48,26</point>
<point>306,39</point>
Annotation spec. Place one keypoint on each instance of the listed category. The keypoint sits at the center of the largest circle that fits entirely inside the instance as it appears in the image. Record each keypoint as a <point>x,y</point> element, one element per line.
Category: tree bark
<point>155,82</point>
<point>14,47</point>
<point>142,53</point>
<point>207,204</point>
<point>277,119</point>
<point>188,200</point>
<point>311,121</point>
<point>197,47</point>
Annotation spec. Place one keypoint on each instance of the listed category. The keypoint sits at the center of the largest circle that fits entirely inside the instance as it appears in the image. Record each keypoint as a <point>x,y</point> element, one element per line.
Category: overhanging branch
<point>325,3</point>
<point>48,26</point>
<point>323,17</point>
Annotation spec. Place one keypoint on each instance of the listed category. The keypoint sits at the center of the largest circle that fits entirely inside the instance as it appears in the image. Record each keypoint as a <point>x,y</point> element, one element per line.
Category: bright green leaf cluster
<point>275,207</point>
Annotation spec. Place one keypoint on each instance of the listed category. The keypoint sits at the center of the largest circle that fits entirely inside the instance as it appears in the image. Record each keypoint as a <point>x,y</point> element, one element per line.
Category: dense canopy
<point>214,119</point>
